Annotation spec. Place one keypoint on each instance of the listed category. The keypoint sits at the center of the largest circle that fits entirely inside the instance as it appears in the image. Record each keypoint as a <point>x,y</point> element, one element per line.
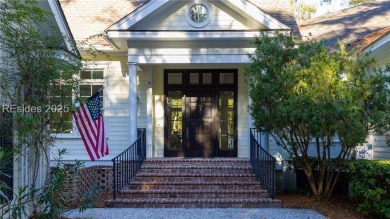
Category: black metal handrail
<point>127,163</point>
<point>263,163</point>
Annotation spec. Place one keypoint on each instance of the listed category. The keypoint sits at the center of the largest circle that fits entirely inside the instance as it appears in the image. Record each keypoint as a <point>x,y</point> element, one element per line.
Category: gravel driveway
<point>193,213</point>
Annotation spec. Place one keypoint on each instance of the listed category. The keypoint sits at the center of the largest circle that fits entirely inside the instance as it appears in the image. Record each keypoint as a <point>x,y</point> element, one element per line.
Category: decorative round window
<point>198,14</point>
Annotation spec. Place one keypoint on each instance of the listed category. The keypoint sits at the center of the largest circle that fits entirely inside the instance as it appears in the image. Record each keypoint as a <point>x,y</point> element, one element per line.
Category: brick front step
<point>197,169</point>
<point>249,184</point>
<point>194,183</point>
<point>193,193</point>
<point>198,174</point>
<point>191,178</point>
<point>196,165</point>
<point>197,160</point>
<point>228,162</point>
<point>195,203</point>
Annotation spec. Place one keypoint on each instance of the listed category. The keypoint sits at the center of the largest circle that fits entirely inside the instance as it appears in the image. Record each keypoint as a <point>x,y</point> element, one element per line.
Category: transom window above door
<point>201,77</point>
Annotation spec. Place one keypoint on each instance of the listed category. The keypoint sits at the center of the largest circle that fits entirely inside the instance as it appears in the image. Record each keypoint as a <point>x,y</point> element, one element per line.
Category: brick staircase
<point>194,183</point>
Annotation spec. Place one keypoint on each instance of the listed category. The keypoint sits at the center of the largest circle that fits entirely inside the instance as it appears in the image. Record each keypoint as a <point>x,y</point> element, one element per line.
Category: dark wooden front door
<point>200,113</point>
<point>200,122</point>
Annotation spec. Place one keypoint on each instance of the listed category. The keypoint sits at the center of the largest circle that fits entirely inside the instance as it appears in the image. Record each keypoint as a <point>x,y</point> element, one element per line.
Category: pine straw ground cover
<point>339,206</point>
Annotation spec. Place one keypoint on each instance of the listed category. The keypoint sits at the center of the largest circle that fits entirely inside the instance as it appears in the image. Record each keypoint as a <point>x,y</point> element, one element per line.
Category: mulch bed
<point>339,206</point>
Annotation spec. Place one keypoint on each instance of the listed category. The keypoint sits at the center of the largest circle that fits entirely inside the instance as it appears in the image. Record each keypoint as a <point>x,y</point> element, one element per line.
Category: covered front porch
<point>193,110</point>
<point>191,97</point>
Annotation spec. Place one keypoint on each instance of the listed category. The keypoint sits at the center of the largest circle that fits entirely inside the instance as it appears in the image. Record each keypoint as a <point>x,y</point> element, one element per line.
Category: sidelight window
<point>175,114</point>
<point>226,115</point>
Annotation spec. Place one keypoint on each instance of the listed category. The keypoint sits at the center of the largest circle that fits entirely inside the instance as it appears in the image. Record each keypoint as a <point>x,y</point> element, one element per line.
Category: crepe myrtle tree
<point>304,94</point>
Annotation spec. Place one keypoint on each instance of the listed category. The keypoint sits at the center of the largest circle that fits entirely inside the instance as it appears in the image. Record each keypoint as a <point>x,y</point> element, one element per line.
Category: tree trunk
<point>310,178</point>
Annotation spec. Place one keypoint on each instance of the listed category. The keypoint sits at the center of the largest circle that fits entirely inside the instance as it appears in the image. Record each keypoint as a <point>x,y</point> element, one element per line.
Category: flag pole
<point>101,89</point>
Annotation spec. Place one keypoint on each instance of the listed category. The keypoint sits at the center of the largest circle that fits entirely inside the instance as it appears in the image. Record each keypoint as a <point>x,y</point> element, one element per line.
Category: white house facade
<point>175,68</point>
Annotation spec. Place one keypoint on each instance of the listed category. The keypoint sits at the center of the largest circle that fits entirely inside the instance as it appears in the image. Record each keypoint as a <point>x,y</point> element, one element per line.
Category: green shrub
<point>370,183</point>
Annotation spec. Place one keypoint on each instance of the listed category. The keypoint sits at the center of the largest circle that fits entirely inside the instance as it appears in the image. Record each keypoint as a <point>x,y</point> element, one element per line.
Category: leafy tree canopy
<point>305,94</point>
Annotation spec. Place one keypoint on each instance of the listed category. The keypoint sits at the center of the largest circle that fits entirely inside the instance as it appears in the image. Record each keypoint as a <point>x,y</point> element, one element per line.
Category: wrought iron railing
<point>263,163</point>
<point>127,163</point>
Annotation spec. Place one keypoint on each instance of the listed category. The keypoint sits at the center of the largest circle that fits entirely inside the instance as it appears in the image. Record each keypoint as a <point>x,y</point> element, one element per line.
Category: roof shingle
<point>348,25</point>
<point>90,17</point>
<point>281,10</point>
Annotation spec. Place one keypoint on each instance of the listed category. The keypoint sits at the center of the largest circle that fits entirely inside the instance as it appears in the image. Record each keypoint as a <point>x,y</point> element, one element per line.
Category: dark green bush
<point>370,183</point>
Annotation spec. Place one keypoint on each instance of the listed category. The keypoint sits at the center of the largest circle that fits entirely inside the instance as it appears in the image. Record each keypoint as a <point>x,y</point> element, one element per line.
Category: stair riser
<point>198,171</point>
<point>240,187</point>
<point>197,205</point>
<point>193,179</point>
<point>258,195</point>
<point>194,183</point>
<point>196,164</point>
<point>208,164</point>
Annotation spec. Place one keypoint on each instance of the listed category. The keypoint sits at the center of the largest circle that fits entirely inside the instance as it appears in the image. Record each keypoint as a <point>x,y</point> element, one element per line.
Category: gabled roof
<point>362,43</point>
<point>281,10</point>
<point>61,31</point>
<point>87,18</point>
<point>243,7</point>
<point>348,25</point>
<point>60,20</point>
<point>91,17</point>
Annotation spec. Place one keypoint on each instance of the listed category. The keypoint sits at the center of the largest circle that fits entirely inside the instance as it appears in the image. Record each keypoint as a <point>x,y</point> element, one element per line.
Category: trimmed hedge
<point>370,183</point>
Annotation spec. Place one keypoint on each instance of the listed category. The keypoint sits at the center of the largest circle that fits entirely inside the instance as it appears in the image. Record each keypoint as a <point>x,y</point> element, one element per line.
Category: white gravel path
<point>194,213</point>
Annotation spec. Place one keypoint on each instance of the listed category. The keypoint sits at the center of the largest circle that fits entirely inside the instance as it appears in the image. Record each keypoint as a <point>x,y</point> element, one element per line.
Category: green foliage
<point>304,11</point>
<point>358,2</point>
<point>370,181</point>
<point>18,208</point>
<point>57,194</point>
<point>36,70</point>
<point>4,188</point>
<point>33,64</point>
<point>302,93</point>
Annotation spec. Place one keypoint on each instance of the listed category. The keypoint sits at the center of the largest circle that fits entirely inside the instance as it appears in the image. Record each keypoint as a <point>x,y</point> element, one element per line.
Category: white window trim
<point>76,134</point>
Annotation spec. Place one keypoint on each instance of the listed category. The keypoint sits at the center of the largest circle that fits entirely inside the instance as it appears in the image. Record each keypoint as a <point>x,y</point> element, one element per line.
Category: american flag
<point>89,120</point>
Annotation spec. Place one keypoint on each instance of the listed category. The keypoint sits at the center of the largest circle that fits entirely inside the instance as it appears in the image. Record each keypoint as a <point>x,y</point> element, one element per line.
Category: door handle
<point>187,133</point>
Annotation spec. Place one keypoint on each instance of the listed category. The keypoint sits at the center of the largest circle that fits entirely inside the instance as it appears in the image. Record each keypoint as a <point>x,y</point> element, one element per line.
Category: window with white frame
<point>92,80</point>
<point>60,109</point>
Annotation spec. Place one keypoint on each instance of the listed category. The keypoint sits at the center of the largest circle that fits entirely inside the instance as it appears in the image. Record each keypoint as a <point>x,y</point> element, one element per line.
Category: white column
<point>149,129</point>
<point>133,99</point>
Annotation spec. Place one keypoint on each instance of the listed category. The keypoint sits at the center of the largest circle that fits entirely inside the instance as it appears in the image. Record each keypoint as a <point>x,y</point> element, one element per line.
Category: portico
<point>177,69</point>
